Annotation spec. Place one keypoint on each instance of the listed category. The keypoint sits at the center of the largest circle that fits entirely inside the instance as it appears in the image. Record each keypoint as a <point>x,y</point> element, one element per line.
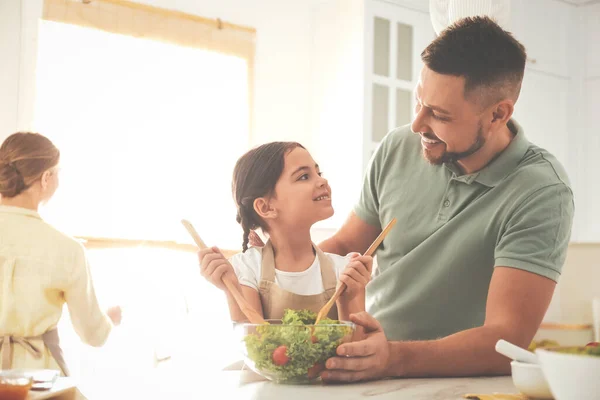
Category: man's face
<point>451,127</point>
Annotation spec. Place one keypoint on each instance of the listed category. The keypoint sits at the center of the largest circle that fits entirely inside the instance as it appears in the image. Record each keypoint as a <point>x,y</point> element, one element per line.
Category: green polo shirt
<point>436,264</point>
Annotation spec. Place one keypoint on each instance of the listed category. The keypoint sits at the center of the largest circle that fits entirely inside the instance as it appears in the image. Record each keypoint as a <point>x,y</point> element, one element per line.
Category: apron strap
<point>267,268</point>
<point>24,342</point>
<point>52,342</point>
<point>50,339</point>
<point>327,270</point>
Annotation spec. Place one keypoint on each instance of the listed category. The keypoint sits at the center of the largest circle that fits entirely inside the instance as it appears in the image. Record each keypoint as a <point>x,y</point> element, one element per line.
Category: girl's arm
<point>249,294</point>
<point>356,276</point>
<point>353,305</point>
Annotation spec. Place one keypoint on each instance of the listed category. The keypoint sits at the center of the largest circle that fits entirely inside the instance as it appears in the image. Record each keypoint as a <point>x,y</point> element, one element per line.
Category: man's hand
<point>365,359</point>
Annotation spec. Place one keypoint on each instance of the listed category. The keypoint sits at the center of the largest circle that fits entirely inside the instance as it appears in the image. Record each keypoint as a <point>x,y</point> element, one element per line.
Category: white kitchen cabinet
<point>366,65</point>
<point>544,28</point>
<point>395,36</point>
<point>366,62</point>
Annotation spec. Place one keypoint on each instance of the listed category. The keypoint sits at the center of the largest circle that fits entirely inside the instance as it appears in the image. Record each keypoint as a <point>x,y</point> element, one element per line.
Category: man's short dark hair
<point>490,59</point>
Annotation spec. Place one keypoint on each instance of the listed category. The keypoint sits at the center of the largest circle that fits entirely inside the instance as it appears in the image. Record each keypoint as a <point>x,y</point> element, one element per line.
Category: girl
<point>279,188</point>
<point>40,268</point>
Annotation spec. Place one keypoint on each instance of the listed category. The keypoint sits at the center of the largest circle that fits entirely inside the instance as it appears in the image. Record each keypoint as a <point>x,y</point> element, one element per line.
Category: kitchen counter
<point>247,385</point>
<point>398,389</point>
<point>63,389</point>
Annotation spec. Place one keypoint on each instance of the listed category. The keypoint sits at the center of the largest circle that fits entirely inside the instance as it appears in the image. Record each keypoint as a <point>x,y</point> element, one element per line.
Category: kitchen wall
<point>579,284</point>
<point>18,36</point>
<point>581,274</point>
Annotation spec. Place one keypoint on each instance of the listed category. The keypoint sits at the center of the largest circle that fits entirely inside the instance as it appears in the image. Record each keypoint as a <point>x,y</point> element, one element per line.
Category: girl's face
<point>302,196</point>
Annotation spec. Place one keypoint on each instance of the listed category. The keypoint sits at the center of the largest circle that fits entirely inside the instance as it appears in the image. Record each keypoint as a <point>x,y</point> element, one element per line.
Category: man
<point>484,219</point>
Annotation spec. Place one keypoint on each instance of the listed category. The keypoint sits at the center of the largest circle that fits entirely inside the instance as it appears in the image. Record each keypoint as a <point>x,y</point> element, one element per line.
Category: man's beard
<point>453,156</point>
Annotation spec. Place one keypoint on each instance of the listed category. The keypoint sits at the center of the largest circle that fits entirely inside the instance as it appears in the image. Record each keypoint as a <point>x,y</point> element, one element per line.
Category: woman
<point>40,267</point>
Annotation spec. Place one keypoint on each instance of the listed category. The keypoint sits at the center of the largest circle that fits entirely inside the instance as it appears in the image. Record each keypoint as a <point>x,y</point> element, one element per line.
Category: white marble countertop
<point>247,385</point>
<point>414,389</point>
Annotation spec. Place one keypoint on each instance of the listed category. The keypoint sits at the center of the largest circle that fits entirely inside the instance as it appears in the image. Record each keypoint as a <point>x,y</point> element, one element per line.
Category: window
<point>150,109</point>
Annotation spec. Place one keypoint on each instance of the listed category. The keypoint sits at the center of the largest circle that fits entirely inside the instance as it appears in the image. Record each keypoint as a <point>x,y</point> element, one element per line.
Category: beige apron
<point>50,340</point>
<point>275,300</point>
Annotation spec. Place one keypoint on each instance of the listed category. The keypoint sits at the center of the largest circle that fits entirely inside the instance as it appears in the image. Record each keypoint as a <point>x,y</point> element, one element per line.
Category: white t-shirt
<point>248,269</point>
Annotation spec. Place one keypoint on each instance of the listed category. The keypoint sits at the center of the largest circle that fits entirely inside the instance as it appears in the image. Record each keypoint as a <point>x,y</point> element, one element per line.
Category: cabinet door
<point>395,36</point>
<point>544,29</point>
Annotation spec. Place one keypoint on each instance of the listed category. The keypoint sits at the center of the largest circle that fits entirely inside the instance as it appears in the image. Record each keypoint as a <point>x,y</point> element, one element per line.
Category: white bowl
<point>530,381</point>
<point>571,376</point>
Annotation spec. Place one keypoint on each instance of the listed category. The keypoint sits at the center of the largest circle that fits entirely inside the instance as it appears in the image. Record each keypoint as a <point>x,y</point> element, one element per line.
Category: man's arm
<point>354,235</point>
<point>517,302</point>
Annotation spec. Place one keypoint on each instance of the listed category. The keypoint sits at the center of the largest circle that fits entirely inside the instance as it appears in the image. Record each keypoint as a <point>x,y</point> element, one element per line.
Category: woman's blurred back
<point>40,267</point>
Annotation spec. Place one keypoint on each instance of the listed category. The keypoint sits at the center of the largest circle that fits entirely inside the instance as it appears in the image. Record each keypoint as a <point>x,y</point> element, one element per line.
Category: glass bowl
<point>14,385</point>
<point>294,354</point>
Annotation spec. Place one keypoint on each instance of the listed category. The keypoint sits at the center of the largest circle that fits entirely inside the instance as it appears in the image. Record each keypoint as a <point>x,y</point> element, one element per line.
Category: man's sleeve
<point>536,235</point>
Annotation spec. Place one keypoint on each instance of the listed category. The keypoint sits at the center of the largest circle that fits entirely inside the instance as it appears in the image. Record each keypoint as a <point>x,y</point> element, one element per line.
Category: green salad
<point>591,349</point>
<point>292,351</point>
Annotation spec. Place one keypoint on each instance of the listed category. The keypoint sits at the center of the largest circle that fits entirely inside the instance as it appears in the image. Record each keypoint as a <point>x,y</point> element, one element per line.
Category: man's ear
<point>263,208</point>
<point>501,113</point>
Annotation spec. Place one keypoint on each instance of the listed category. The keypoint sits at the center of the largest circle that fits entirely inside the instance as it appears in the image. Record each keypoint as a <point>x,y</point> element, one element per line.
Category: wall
<point>338,101</point>
<point>579,283</point>
<point>10,27</point>
<point>18,41</point>
<point>589,25</point>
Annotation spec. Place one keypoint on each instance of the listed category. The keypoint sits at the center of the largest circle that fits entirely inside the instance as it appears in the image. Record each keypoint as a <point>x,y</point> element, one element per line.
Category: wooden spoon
<point>325,309</point>
<point>249,311</point>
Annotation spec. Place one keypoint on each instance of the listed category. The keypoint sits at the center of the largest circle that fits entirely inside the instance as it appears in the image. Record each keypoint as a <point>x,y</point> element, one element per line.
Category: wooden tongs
<point>253,316</point>
<point>325,309</point>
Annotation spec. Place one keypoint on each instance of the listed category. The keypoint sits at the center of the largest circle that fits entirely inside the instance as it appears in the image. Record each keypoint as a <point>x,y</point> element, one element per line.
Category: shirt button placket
<point>444,211</point>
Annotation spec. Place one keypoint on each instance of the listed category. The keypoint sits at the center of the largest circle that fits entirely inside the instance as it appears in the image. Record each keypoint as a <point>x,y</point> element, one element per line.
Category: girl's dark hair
<point>255,175</point>
<point>24,157</point>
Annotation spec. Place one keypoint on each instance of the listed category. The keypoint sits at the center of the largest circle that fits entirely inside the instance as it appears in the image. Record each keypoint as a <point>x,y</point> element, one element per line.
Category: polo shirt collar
<point>503,165</point>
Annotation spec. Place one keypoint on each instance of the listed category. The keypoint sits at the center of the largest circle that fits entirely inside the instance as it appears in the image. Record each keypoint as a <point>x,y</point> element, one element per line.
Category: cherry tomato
<point>279,356</point>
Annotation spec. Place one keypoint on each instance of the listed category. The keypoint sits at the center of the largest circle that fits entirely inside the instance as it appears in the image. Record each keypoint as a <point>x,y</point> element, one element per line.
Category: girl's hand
<point>214,265</point>
<point>357,275</point>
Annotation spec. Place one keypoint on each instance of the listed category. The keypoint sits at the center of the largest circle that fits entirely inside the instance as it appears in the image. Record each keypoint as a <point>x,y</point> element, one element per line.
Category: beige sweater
<point>41,269</point>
